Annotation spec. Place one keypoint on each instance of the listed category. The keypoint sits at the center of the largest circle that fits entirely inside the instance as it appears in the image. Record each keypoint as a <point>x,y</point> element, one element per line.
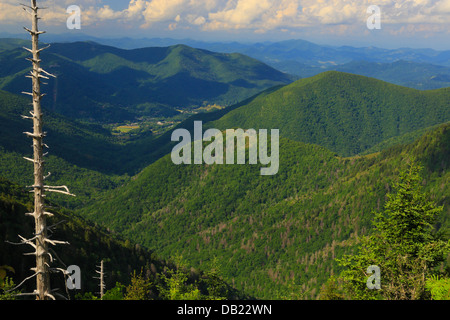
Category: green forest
<point>275,231</point>
<point>363,180</point>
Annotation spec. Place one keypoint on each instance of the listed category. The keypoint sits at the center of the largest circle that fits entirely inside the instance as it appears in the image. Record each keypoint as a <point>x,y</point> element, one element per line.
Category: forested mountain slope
<point>88,245</point>
<point>106,84</point>
<point>272,234</point>
<point>345,113</point>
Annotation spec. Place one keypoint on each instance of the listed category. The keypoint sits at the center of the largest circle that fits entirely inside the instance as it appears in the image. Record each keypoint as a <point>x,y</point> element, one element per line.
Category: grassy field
<point>126,128</point>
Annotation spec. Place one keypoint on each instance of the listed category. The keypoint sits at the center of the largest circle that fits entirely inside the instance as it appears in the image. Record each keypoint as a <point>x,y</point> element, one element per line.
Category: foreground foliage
<point>404,245</point>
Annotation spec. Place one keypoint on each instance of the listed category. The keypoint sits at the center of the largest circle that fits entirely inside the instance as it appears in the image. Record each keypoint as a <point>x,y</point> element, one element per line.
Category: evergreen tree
<point>403,245</point>
<point>215,284</point>
<point>176,287</point>
<point>139,289</point>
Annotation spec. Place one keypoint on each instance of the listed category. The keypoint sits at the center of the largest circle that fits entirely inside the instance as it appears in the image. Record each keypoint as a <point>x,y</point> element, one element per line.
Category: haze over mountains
<point>274,236</point>
<point>416,68</point>
<point>296,49</point>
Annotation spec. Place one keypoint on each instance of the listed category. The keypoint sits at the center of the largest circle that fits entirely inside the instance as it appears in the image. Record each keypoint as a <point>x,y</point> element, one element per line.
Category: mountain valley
<point>344,138</point>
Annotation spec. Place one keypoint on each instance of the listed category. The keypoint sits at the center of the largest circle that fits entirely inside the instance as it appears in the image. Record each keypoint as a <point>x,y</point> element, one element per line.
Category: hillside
<point>88,244</point>
<point>107,84</point>
<point>12,43</point>
<point>345,113</point>
<point>274,235</point>
<point>80,155</point>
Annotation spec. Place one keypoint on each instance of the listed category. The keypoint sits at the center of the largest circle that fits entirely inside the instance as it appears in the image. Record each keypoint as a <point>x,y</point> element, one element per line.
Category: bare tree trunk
<point>43,257</point>
<point>102,280</point>
<point>40,241</point>
<point>102,283</point>
<point>42,273</point>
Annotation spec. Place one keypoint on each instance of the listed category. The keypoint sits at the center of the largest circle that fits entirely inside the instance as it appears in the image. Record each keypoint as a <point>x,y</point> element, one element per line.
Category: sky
<point>403,23</point>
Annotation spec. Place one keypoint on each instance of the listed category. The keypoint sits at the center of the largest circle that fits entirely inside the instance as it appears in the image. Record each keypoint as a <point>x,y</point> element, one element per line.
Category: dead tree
<point>101,277</point>
<point>41,241</point>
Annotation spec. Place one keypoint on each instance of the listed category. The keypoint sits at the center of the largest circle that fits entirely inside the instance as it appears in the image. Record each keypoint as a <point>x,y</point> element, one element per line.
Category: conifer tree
<point>403,245</point>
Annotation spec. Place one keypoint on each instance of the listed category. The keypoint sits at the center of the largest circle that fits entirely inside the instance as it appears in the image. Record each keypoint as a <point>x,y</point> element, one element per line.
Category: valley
<point>105,84</point>
<point>110,116</point>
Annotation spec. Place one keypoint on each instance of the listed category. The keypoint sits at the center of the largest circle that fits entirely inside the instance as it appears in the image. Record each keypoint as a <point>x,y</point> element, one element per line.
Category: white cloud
<point>244,13</point>
<point>199,21</point>
<point>135,9</point>
<point>11,13</point>
<point>256,15</point>
<point>162,10</point>
<point>106,13</point>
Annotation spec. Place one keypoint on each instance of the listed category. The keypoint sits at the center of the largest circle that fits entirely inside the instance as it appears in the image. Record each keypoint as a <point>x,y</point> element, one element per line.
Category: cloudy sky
<point>413,23</point>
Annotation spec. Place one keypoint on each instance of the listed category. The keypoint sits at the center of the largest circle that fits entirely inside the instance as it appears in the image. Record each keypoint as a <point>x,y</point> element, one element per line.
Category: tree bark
<point>42,257</point>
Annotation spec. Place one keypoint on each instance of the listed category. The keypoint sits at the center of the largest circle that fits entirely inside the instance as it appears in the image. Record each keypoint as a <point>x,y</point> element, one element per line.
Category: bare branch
<point>36,136</point>
<point>47,73</point>
<point>50,296</point>
<point>31,32</point>
<point>64,272</point>
<point>26,294</point>
<point>29,12</point>
<point>58,258</point>
<point>27,6</point>
<point>56,189</point>
<point>28,159</point>
<point>55,242</point>
<point>34,61</point>
<point>39,50</point>
<point>20,284</point>
<point>60,295</point>
<point>29,50</point>
<point>24,241</point>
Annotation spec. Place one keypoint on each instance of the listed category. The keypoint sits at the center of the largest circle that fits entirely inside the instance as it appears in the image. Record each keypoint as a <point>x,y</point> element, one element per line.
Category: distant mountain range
<point>416,68</point>
<point>418,75</point>
<point>102,83</point>
<point>298,50</point>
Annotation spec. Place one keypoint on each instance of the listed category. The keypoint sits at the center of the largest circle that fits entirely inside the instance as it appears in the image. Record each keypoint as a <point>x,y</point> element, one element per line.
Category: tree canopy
<point>403,244</point>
